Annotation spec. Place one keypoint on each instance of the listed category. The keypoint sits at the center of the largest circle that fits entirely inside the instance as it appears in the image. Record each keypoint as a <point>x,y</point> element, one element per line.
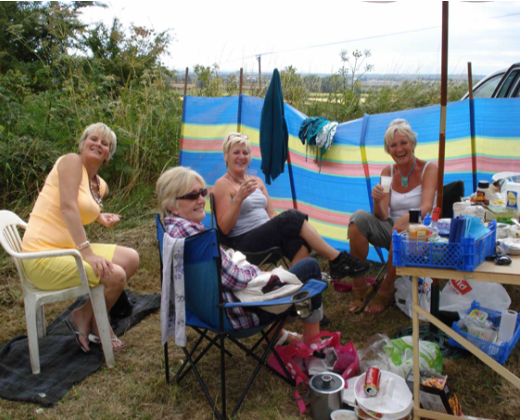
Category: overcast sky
<point>404,37</point>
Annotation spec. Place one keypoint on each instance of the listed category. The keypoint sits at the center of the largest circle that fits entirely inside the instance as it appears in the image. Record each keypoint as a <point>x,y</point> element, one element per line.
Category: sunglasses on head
<point>194,195</point>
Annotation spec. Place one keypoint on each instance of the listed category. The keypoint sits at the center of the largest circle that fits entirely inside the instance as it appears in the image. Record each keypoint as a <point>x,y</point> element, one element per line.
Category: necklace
<point>96,195</point>
<point>404,179</point>
<point>236,180</point>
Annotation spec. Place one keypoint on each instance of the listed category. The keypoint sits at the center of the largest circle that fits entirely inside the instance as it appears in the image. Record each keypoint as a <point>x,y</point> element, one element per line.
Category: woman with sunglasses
<point>73,196</point>
<point>181,193</point>
<point>413,185</point>
<point>247,216</point>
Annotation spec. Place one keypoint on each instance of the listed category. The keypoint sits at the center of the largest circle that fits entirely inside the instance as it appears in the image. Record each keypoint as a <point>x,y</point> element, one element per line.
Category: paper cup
<point>386,181</point>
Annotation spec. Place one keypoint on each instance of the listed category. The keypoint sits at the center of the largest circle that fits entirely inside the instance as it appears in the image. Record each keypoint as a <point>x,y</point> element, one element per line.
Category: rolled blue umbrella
<point>274,136</point>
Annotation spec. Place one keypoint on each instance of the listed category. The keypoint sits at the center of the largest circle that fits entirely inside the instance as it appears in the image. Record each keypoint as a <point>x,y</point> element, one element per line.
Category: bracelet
<point>82,246</point>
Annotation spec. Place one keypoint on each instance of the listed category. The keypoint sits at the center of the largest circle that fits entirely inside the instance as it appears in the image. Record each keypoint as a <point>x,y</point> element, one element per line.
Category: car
<point>500,84</point>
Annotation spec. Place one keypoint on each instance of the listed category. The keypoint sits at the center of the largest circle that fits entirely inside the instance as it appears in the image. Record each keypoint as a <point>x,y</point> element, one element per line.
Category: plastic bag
<point>396,355</point>
<point>296,355</point>
<point>404,297</point>
<point>457,296</point>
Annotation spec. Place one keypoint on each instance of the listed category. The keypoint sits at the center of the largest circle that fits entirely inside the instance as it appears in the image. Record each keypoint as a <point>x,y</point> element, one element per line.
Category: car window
<point>485,90</point>
<point>509,83</point>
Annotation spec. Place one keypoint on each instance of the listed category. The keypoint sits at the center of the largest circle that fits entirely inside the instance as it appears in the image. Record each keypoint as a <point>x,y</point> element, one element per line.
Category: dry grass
<point>136,388</point>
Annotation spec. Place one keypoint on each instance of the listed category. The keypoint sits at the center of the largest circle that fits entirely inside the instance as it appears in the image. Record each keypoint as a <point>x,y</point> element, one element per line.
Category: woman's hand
<point>401,224</point>
<point>378,193</point>
<point>101,266</point>
<point>246,189</point>
<point>108,220</point>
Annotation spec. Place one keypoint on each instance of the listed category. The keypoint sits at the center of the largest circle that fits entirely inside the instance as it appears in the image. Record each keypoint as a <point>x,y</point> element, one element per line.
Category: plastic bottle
<point>416,230</point>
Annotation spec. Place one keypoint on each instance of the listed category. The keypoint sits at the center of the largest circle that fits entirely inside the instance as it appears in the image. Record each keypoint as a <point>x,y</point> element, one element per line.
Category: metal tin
<point>372,379</point>
<point>325,394</point>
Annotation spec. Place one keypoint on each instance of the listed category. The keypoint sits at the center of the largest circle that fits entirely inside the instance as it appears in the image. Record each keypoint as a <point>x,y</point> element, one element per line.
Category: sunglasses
<point>194,195</point>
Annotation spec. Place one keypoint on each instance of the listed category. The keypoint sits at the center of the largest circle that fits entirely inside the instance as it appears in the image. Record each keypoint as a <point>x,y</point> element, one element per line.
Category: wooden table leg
<point>416,367</point>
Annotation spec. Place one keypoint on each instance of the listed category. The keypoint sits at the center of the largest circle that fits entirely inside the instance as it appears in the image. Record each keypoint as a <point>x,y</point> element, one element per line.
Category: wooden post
<point>241,81</point>
<point>259,58</point>
<point>186,82</point>
<point>444,97</point>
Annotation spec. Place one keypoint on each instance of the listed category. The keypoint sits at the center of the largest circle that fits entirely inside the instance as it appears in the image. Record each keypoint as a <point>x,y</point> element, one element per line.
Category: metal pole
<point>186,82</point>
<point>472,127</point>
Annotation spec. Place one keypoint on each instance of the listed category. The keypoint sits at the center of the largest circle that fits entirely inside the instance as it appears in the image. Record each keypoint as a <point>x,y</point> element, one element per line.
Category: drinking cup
<point>386,181</point>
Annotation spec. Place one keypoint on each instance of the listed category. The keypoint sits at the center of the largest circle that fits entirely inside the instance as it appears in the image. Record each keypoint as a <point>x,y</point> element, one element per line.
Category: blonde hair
<point>402,127</point>
<point>103,130</point>
<point>173,183</point>
<point>235,138</point>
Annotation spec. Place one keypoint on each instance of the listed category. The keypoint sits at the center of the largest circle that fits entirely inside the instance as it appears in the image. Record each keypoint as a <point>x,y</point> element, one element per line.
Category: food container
<point>343,415</point>
<point>502,230</point>
<point>325,395</point>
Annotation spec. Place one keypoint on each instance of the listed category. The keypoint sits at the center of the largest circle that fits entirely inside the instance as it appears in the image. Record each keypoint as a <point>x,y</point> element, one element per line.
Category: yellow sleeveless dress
<point>47,231</point>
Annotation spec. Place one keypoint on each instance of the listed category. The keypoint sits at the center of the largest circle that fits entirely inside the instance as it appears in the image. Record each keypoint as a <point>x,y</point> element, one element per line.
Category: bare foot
<point>358,298</point>
<point>380,302</point>
<point>83,327</point>
<point>117,344</point>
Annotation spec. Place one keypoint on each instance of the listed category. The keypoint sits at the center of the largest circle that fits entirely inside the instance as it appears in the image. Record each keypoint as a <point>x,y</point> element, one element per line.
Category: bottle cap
<point>415,215</point>
<point>483,184</point>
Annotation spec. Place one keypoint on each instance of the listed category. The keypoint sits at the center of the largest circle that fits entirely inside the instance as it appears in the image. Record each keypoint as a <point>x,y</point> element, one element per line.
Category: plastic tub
<point>499,352</point>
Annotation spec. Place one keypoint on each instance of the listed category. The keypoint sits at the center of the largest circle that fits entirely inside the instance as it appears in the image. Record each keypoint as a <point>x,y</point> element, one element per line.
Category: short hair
<point>175,182</point>
<point>402,127</point>
<point>235,138</point>
<point>103,130</point>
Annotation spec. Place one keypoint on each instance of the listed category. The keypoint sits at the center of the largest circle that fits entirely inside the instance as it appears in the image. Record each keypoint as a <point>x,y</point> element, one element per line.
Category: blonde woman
<point>73,196</point>
<point>247,216</point>
<point>414,185</point>
<point>181,193</point>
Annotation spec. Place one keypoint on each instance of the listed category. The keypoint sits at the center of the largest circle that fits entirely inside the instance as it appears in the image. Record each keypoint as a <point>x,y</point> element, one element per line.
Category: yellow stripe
<point>336,232</point>
<point>198,131</point>
<point>498,147</point>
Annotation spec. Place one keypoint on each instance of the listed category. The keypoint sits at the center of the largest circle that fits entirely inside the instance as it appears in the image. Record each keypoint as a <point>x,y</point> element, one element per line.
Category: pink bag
<point>295,355</point>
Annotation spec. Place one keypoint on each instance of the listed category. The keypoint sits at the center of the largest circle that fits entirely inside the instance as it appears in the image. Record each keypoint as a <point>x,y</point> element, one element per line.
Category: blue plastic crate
<point>498,352</point>
<point>464,256</point>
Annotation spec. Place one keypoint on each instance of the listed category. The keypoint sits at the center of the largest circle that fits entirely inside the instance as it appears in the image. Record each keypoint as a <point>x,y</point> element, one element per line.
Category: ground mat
<point>62,362</point>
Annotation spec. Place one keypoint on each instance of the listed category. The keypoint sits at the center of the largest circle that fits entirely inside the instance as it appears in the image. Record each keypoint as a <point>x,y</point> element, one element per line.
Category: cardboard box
<point>433,398</point>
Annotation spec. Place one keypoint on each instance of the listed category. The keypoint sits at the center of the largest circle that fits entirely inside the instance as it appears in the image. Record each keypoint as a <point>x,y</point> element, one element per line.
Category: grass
<point>136,388</point>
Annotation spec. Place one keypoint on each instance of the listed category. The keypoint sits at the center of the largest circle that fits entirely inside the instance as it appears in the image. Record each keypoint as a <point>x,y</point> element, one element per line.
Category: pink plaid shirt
<point>233,276</point>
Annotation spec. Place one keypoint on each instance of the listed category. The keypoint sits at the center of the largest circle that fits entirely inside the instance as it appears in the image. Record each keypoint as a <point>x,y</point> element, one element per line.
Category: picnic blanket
<point>62,362</point>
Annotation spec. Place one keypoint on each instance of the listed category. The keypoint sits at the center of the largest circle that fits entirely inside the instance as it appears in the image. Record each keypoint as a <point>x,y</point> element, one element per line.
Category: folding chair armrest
<point>314,287</point>
<point>53,254</point>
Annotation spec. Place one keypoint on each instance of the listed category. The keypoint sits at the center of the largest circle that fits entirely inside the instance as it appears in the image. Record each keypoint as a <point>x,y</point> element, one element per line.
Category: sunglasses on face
<point>194,195</point>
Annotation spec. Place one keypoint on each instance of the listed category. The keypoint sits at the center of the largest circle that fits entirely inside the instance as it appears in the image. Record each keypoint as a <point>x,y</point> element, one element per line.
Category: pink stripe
<point>201,146</point>
<point>317,214</point>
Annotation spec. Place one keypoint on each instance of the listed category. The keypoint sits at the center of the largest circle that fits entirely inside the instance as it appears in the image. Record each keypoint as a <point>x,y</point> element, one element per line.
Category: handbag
<point>297,355</point>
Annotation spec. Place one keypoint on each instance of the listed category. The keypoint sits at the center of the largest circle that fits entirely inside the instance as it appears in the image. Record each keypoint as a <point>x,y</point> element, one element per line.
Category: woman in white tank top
<point>247,216</point>
<point>413,185</point>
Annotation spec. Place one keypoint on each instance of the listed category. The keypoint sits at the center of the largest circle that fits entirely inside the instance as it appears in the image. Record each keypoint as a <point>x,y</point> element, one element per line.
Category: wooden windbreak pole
<point>240,86</point>
<point>186,82</point>
<point>444,100</point>
<point>259,58</point>
<point>472,128</point>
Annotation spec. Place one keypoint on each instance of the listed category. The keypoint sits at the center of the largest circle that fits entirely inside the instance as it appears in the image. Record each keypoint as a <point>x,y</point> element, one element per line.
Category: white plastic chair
<point>35,299</point>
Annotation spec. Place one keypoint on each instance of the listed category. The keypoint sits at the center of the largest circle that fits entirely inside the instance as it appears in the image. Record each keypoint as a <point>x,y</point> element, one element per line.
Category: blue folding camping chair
<point>205,314</point>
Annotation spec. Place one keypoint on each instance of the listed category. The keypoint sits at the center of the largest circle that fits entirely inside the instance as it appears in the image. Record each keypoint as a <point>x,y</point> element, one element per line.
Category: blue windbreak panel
<point>207,111</point>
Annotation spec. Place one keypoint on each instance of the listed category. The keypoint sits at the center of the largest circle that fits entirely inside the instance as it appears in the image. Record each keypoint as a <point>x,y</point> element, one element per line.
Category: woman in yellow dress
<point>72,197</point>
